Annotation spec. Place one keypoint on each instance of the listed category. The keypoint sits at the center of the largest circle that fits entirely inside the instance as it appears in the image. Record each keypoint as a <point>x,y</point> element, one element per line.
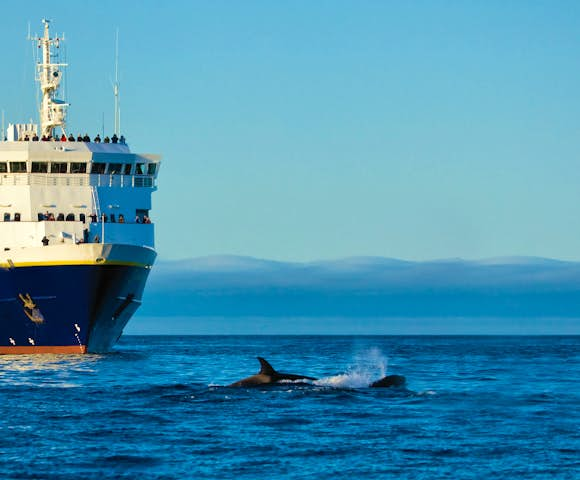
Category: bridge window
<point>78,167</point>
<point>41,217</point>
<point>3,167</point>
<point>39,167</point>
<point>151,167</point>
<point>98,168</point>
<point>70,217</point>
<point>16,217</point>
<point>6,217</point>
<point>115,168</point>
<point>58,167</point>
<point>60,217</point>
<point>18,167</point>
<point>127,169</point>
<point>82,217</point>
<point>139,168</point>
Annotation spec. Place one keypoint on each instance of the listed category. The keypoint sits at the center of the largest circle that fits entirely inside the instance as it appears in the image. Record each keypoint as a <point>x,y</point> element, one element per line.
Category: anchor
<point>30,309</point>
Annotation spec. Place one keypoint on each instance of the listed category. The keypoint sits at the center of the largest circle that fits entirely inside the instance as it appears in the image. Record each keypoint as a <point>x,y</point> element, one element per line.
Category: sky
<point>315,130</point>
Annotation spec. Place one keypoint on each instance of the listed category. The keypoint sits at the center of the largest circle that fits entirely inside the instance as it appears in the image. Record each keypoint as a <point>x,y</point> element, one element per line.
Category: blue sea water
<point>158,408</point>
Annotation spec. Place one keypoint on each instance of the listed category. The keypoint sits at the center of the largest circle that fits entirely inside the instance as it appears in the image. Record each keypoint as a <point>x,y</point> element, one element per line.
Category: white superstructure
<point>70,191</point>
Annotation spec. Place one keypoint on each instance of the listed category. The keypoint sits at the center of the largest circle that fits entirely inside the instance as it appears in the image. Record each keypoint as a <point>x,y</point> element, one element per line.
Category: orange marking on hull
<point>33,349</point>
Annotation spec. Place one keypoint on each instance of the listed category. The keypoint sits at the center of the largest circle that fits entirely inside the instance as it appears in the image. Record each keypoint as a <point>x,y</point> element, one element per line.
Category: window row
<point>80,167</point>
<point>142,216</point>
<point>46,216</point>
<point>49,216</point>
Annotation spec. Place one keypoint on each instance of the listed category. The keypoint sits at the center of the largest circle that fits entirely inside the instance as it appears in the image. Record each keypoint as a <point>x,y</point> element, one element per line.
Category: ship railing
<point>77,180</point>
<point>87,222</point>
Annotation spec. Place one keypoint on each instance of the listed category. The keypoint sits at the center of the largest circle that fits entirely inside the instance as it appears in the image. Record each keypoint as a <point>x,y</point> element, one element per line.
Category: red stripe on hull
<point>33,349</point>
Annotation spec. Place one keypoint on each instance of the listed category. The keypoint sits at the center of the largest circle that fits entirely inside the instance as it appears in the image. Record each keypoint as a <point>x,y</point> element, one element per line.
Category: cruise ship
<point>76,235</point>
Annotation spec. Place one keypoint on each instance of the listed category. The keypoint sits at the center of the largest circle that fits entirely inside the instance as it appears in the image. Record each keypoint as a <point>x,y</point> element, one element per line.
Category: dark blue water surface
<point>476,407</point>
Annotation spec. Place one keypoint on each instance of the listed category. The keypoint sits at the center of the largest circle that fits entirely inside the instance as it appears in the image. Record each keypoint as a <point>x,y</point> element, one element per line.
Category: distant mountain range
<point>364,287</point>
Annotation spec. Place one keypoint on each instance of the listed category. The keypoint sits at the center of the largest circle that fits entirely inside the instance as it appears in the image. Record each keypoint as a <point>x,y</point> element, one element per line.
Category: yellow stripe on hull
<point>73,262</point>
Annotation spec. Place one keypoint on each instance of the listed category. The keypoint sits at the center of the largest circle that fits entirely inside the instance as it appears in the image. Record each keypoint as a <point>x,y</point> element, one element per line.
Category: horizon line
<point>499,259</point>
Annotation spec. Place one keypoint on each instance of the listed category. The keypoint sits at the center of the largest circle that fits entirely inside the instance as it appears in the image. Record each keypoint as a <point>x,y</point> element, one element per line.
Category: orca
<point>268,376</point>
<point>389,381</point>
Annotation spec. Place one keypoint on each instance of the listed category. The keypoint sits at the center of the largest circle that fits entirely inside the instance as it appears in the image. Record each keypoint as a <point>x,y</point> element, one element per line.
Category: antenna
<point>116,86</point>
<point>3,130</point>
<point>63,55</point>
<point>35,62</point>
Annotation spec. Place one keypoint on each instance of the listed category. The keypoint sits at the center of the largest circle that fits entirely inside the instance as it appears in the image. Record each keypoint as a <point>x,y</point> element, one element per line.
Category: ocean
<point>158,408</point>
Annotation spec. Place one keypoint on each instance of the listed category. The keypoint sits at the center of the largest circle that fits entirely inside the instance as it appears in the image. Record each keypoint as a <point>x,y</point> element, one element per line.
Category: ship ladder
<point>97,208</point>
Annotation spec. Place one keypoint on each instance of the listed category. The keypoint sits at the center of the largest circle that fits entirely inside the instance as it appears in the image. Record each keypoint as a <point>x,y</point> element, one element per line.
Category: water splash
<point>368,366</point>
<point>346,380</point>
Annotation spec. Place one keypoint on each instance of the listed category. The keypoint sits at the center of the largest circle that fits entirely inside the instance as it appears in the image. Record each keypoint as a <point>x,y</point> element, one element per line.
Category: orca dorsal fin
<point>266,368</point>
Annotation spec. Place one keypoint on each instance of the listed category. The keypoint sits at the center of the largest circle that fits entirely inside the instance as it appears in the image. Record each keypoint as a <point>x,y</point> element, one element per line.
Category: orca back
<point>389,381</point>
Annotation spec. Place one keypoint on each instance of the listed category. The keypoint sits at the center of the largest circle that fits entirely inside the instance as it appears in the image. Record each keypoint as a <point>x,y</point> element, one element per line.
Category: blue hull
<point>68,308</point>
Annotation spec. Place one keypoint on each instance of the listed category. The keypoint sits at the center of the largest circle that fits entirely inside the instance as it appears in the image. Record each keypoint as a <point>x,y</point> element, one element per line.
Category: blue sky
<point>310,130</point>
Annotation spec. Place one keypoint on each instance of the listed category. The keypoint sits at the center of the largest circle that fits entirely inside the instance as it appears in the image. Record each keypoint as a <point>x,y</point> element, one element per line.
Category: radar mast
<point>52,110</point>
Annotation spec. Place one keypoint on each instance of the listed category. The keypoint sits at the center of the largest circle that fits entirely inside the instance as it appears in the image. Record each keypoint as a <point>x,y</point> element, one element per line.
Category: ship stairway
<point>97,211</point>
<point>96,204</point>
